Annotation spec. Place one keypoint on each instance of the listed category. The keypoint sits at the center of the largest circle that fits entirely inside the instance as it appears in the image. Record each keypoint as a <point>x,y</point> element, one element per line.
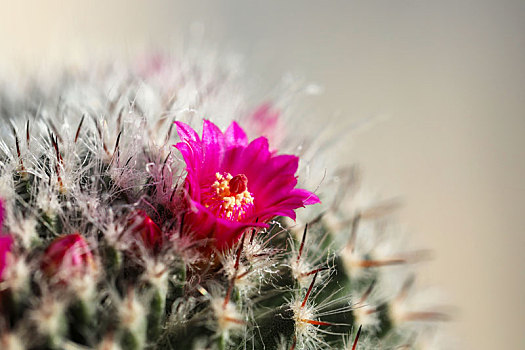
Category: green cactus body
<point>117,260</point>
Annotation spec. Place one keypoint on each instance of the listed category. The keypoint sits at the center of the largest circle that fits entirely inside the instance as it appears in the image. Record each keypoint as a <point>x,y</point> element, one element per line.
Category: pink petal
<point>6,243</point>
<point>308,197</point>
<point>186,133</point>
<point>285,164</point>
<point>213,141</point>
<point>274,188</point>
<point>228,232</point>
<point>191,157</point>
<point>233,160</point>
<point>253,159</point>
<point>235,136</point>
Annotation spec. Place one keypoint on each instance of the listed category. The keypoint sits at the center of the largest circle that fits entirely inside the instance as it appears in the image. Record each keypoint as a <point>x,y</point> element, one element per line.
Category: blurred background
<point>450,76</point>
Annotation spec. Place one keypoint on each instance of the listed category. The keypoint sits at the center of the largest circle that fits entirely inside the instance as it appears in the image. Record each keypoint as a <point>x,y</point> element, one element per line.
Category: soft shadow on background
<point>449,74</point>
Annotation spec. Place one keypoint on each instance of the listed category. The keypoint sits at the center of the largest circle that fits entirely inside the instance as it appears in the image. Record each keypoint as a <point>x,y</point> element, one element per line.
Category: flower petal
<point>191,157</point>
<point>235,136</point>
<point>6,243</point>
<point>186,133</point>
<point>308,197</point>
<point>213,141</point>
<point>285,164</point>
<point>253,160</point>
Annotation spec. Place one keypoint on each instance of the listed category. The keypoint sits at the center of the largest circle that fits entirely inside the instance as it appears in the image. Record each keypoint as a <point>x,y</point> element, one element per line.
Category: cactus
<point>118,234</point>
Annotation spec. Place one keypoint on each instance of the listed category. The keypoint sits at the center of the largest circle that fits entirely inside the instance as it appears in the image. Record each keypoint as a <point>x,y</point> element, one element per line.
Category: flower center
<point>229,197</point>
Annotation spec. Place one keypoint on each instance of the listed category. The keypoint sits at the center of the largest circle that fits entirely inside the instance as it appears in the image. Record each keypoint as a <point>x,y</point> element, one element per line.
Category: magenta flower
<point>68,257</point>
<point>6,245</point>
<point>233,185</point>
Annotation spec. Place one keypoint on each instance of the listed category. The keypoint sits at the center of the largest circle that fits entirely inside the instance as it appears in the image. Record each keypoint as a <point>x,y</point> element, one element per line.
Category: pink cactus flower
<point>233,184</point>
<point>145,229</point>
<point>6,245</point>
<point>68,256</point>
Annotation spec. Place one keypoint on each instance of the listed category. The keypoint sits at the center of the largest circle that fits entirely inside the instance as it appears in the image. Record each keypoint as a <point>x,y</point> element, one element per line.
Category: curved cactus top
<point>118,240</point>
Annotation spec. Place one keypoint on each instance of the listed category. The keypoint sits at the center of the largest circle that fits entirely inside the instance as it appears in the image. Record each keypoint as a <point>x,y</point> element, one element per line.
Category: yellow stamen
<point>231,203</point>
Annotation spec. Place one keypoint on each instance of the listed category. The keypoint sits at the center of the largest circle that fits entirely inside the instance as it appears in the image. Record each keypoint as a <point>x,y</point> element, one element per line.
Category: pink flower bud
<point>145,229</point>
<point>68,256</point>
<point>266,121</point>
<point>6,244</point>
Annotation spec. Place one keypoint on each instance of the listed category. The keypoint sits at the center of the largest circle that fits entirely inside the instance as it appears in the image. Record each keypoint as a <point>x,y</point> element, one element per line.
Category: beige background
<point>450,74</point>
